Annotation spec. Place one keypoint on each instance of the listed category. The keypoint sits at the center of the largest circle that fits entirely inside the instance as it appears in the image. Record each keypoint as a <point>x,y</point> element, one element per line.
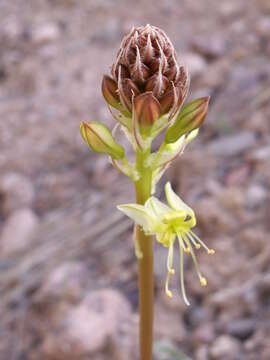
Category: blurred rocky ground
<point>67,266</point>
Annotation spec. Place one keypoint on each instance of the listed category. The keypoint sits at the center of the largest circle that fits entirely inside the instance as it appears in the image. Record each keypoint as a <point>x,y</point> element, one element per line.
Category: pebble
<point>201,353</point>
<point>224,348</point>
<point>17,232</point>
<point>204,334</point>
<point>260,154</point>
<point>67,282</point>
<point>216,74</point>
<point>241,329</point>
<point>211,47</point>
<point>256,195</point>
<point>89,327</point>
<point>195,63</point>
<point>232,145</point>
<point>263,27</point>
<point>16,191</point>
<point>45,34</point>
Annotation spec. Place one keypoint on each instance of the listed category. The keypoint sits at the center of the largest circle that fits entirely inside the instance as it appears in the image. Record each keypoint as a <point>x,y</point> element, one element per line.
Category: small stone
<point>241,329</point>
<point>67,282</point>
<point>211,47</point>
<point>256,195</point>
<point>225,348</point>
<point>264,6</point>
<point>169,324</point>
<point>201,353</point>
<point>232,198</point>
<point>263,27</point>
<point>195,63</point>
<point>16,191</point>
<point>108,33</point>
<point>204,334</point>
<point>92,326</point>
<point>233,145</point>
<point>260,154</point>
<point>18,232</point>
<point>216,74</point>
<point>209,211</point>
<point>45,34</point>
<point>237,176</point>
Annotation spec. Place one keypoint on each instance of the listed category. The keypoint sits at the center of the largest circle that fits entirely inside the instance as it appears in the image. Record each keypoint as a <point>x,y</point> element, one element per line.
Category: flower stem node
<point>169,223</point>
<point>99,138</point>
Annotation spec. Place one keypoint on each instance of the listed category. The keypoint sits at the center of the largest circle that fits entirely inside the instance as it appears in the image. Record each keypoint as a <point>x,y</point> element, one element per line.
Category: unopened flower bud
<point>146,62</point>
<point>147,110</point>
<point>109,91</point>
<point>190,118</point>
<point>99,138</point>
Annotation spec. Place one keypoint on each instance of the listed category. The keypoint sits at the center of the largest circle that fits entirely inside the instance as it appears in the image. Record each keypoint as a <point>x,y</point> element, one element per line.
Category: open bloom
<point>169,223</point>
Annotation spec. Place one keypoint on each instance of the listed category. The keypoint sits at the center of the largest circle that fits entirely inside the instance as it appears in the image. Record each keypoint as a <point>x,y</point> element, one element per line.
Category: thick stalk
<point>145,264</point>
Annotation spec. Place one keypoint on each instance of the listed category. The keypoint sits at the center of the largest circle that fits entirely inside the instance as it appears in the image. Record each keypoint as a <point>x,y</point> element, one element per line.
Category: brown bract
<point>146,63</point>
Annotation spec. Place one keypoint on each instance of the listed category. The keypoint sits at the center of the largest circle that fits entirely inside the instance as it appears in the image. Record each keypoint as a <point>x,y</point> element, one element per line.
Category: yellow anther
<point>203,281</point>
<point>198,246</point>
<point>171,271</point>
<point>187,251</point>
<point>211,252</point>
<point>169,293</point>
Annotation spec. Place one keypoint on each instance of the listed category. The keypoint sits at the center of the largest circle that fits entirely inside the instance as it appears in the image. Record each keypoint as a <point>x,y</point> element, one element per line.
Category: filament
<point>185,248</point>
<point>183,291</point>
<point>197,245</point>
<point>209,251</point>
<point>169,268</point>
<point>202,279</point>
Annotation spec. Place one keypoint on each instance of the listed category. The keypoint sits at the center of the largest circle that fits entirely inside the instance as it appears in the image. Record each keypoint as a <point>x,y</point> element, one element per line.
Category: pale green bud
<point>190,118</point>
<point>99,138</point>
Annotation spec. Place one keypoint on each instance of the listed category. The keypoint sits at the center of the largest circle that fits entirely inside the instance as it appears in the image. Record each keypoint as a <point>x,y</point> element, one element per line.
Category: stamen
<point>186,250</point>
<point>203,281</point>
<point>197,246</point>
<point>183,291</point>
<point>209,251</point>
<point>201,278</point>
<point>169,268</point>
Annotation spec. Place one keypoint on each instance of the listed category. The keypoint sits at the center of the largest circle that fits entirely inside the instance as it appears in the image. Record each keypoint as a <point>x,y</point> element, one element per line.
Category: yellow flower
<point>169,223</point>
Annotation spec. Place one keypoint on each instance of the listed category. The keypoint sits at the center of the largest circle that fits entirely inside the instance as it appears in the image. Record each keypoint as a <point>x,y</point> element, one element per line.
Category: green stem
<point>145,264</point>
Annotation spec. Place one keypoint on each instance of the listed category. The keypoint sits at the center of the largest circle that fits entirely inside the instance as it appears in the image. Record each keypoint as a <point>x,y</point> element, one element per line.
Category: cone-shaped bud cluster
<point>190,118</point>
<point>146,68</point>
<point>99,138</point>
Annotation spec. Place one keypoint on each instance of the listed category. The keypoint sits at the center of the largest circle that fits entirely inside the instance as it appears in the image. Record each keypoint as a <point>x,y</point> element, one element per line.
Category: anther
<point>203,281</point>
